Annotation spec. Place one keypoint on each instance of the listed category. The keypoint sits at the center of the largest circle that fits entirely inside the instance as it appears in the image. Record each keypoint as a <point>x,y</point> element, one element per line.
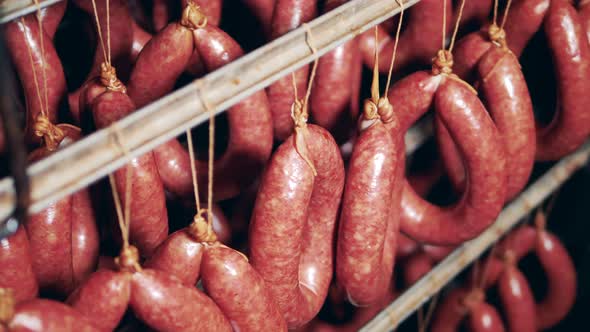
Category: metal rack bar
<point>435,280</point>
<point>13,9</point>
<point>95,156</point>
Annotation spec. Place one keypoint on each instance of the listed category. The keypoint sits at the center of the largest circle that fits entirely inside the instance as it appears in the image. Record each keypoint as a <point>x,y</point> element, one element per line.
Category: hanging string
<point>444,26</point>
<point>42,54</point>
<point>453,38</point>
<point>108,60</point>
<point>191,153</point>
<point>314,67</point>
<point>505,14</point>
<point>99,30</point>
<point>397,33</point>
<point>430,311</point>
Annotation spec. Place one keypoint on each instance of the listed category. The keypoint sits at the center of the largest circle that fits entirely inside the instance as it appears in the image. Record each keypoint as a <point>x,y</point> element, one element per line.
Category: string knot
<point>108,78</point>
<point>497,35</point>
<point>509,258</point>
<point>192,17</point>
<point>474,297</point>
<point>52,135</point>
<point>299,113</point>
<point>6,305</point>
<point>540,221</point>
<point>442,63</point>
<point>200,229</point>
<point>382,110</point>
<point>128,259</point>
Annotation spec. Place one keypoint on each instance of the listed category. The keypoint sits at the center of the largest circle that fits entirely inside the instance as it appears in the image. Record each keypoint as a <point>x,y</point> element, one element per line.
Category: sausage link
<point>161,14</point>
<point>517,299</point>
<point>571,56</point>
<point>483,317</point>
<point>48,316</point>
<point>164,304</point>
<point>369,218</point>
<point>51,17</point>
<point>103,298</point>
<point>149,219</point>
<point>417,43</point>
<point>140,39</point>
<point>239,291</point>
<point>415,267</point>
<point>22,37</point>
<point>405,246</point>
<point>584,12</point>
<point>159,64</point>
<point>250,127</point>
<point>504,89</point>
<point>288,15</point>
<point>450,312</point>
<point>85,237</point>
<point>524,20</point>
<point>477,138</point>
<point>17,266</point>
<point>468,52</point>
<point>299,211</point>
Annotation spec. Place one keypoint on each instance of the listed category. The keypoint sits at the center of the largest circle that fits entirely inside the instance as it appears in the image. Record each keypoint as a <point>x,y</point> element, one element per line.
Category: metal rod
<point>13,9</point>
<point>95,156</point>
<point>445,271</point>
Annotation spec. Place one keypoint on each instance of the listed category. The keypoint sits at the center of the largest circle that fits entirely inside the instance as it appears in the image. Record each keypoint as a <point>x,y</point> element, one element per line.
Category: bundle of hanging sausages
<point>311,226</point>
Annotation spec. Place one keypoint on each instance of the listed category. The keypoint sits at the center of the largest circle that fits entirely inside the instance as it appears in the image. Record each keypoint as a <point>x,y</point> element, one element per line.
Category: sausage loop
<point>192,17</point>
<point>108,78</point>
<point>6,305</point>
<point>128,259</point>
<point>52,135</point>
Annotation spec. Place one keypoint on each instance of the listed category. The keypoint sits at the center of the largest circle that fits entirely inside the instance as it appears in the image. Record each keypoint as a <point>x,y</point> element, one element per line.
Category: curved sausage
<point>103,298</point>
<point>517,299</point>
<point>288,15</point>
<point>570,51</point>
<point>149,219</point>
<point>417,42</point>
<point>369,218</point>
<point>47,316</point>
<point>22,37</point>
<point>239,291</point>
<point>17,269</point>
<point>503,87</point>
<point>299,211</point>
<point>250,128</point>
<point>484,317</point>
<point>477,138</point>
<point>164,304</point>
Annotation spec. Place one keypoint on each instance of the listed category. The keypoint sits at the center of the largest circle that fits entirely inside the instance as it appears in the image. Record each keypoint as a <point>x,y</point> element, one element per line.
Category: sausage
<point>584,12</point>
<point>453,309</point>
<point>477,138</point>
<point>159,64</point>
<point>418,41</point>
<point>122,36</point>
<point>250,128</point>
<point>63,237</point>
<point>140,39</point>
<point>149,219</point>
<point>47,316</point>
<point>299,211</point>
<point>415,267</point>
<point>517,300</point>
<point>21,37</point>
<point>262,10</point>
<point>570,51</point>
<point>524,20</point>
<point>369,218</point>
<point>405,246</point>
<point>161,14</point>
<point>503,87</point>
<point>17,269</point>
<point>103,298</point>
<point>484,317</point>
<point>164,304</point>
<point>288,15</point>
<point>181,253</point>
<point>239,291</point>
<point>51,17</point>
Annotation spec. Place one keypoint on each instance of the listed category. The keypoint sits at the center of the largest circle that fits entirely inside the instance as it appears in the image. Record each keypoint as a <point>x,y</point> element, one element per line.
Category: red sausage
<point>47,316</point>
<point>299,211</point>
<point>503,87</point>
<point>415,267</point>
<point>140,39</point>
<point>22,37</point>
<point>569,47</point>
<point>17,270</point>
<point>370,217</point>
<point>51,17</point>
<point>250,127</point>
<point>103,298</point>
<point>239,291</point>
<point>477,138</point>
<point>288,15</point>
<point>451,311</point>
<point>483,317</point>
<point>584,12</point>
<point>517,299</point>
<point>164,304</point>
<point>149,219</point>
<point>418,41</point>
<point>405,246</point>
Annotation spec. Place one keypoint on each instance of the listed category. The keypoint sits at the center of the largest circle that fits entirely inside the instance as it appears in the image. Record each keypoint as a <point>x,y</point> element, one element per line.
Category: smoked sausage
<point>299,211</point>
<point>517,300</point>
<point>484,317</point>
<point>477,138</point>
<point>17,269</point>
<point>568,44</point>
<point>149,219</point>
<point>503,87</point>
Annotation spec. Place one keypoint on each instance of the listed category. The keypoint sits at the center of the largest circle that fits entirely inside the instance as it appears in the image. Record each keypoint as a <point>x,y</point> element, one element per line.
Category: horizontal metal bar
<point>445,271</point>
<point>95,156</point>
<point>13,9</point>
